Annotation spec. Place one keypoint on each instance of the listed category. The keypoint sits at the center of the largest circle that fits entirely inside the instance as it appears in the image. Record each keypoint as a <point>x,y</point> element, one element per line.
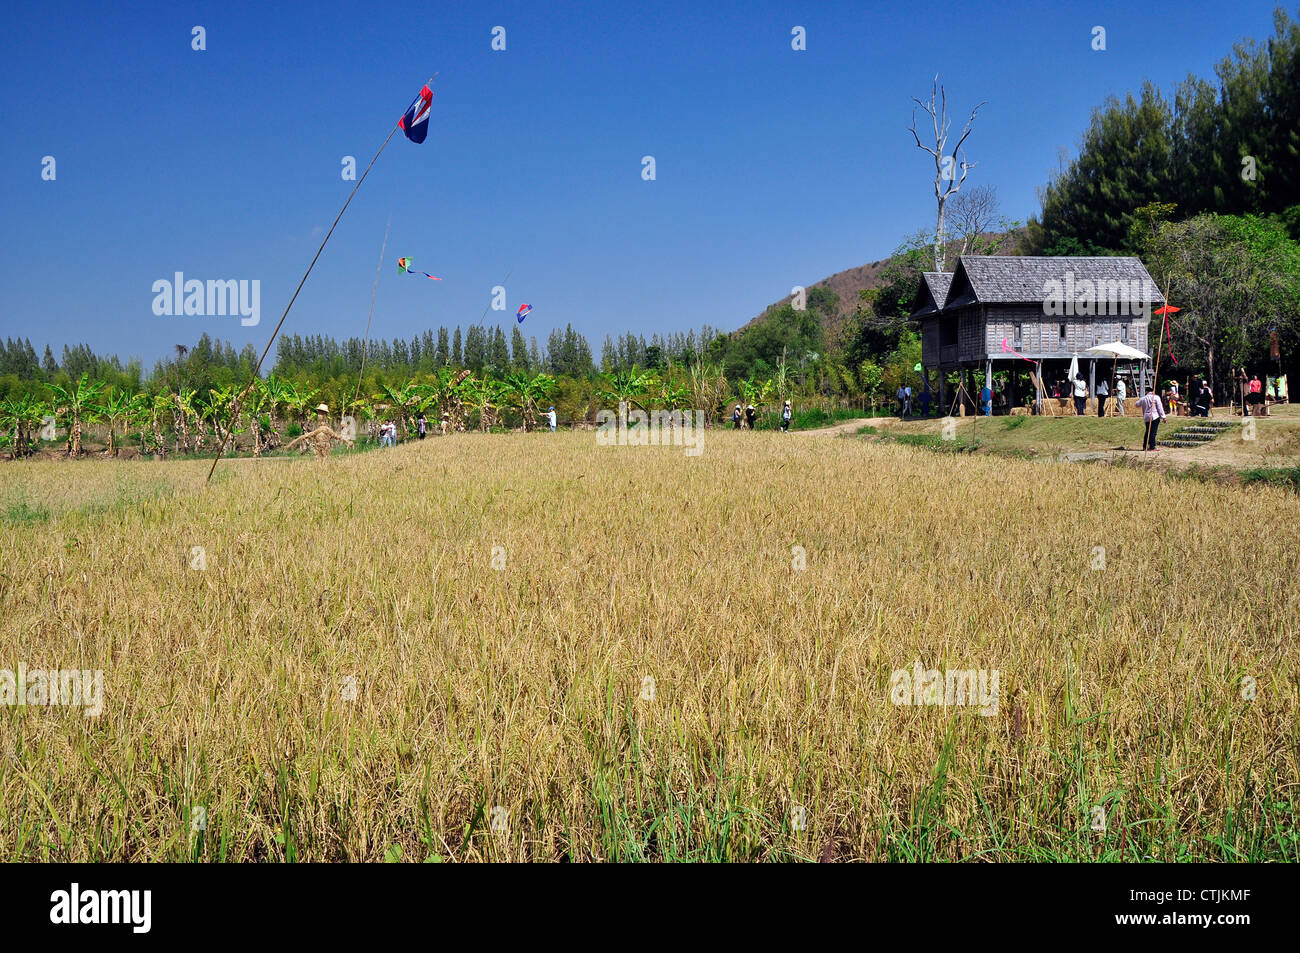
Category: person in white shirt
<point>1080,396</point>
<point>1153,411</point>
<point>1121,391</point>
<point>550,415</point>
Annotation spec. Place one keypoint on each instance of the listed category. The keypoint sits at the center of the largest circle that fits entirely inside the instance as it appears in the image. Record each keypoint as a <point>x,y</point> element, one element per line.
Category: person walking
<point>421,425</point>
<point>925,402</point>
<point>735,418</point>
<point>1204,399</point>
<point>1080,396</point>
<point>1153,411</point>
<point>785,418</point>
<point>1103,395</point>
<point>750,416</point>
<point>907,400</point>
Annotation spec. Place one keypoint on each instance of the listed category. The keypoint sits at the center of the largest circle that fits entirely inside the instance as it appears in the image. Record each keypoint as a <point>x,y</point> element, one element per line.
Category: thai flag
<point>524,311</point>
<point>416,121</point>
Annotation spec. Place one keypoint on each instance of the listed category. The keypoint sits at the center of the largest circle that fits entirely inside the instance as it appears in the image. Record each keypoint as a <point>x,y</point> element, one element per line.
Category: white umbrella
<point>1074,367</point>
<point>1115,349</point>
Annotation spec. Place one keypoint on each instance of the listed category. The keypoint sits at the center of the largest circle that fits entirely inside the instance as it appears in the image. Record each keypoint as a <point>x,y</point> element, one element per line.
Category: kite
<point>416,121</point>
<point>404,268</point>
<point>524,311</point>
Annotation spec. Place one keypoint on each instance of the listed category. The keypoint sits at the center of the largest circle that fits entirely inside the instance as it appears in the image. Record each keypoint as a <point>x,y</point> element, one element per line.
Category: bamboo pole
<point>274,334</point>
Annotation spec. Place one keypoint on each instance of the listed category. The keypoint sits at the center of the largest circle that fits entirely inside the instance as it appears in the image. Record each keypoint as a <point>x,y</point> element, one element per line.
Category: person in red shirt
<point>1257,405</point>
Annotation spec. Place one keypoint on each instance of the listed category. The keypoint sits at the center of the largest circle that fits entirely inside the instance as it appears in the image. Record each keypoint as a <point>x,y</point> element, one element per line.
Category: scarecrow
<point>323,437</point>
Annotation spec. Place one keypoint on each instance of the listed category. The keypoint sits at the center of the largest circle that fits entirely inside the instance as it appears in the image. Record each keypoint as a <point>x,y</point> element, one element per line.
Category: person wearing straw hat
<point>323,437</point>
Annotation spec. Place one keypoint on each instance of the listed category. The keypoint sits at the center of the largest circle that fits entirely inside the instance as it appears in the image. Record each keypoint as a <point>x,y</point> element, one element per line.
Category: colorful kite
<point>416,121</point>
<point>404,268</point>
<point>524,311</point>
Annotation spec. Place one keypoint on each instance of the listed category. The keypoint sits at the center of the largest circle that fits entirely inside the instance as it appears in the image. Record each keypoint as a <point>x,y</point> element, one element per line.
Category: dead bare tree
<point>974,214</point>
<point>944,171</point>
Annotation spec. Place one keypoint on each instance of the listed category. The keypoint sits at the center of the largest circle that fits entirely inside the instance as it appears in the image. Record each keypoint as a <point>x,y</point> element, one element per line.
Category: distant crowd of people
<point>746,419</point>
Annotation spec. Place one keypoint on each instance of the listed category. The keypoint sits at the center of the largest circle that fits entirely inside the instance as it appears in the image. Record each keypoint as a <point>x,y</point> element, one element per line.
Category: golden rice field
<point>531,647</point>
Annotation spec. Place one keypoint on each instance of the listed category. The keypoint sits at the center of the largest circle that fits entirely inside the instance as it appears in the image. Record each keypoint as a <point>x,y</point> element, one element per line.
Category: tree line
<point>1230,146</point>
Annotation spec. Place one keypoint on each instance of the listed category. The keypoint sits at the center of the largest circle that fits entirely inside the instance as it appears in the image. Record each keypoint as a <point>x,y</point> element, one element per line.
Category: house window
<point>1062,334</point>
<point>1016,336</point>
<point>1123,333</point>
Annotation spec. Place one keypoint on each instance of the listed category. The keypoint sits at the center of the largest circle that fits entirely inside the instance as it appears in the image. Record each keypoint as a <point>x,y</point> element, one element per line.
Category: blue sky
<point>773,167</point>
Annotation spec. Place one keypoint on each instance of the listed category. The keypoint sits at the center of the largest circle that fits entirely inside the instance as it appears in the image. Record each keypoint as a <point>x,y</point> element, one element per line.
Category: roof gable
<point>931,293</point>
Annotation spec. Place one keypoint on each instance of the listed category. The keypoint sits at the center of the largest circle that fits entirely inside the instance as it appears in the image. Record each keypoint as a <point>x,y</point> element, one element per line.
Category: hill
<point>847,285</point>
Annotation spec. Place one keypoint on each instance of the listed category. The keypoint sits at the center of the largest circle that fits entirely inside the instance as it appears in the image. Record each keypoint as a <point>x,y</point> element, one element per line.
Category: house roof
<point>1007,279</point>
<point>931,293</point>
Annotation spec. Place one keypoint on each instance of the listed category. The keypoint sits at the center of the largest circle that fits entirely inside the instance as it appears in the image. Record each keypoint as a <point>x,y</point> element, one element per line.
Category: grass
<point>1287,477</point>
<point>350,678</point>
<point>20,511</point>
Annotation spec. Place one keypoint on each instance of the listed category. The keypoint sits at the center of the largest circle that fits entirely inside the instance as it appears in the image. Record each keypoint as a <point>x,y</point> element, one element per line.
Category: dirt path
<point>849,426</point>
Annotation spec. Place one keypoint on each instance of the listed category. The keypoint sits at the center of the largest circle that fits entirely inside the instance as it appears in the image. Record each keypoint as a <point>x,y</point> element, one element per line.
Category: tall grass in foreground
<point>502,713</point>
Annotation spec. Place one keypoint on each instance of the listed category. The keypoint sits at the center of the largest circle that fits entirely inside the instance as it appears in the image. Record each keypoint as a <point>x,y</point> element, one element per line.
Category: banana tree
<point>298,400</point>
<point>526,394</point>
<point>277,391</point>
<point>256,403</point>
<point>158,408</point>
<point>76,405</point>
<point>22,416</point>
<point>625,386</point>
<point>485,396</point>
<point>673,397</point>
<point>119,407</point>
<point>183,407</point>
<point>222,412</point>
